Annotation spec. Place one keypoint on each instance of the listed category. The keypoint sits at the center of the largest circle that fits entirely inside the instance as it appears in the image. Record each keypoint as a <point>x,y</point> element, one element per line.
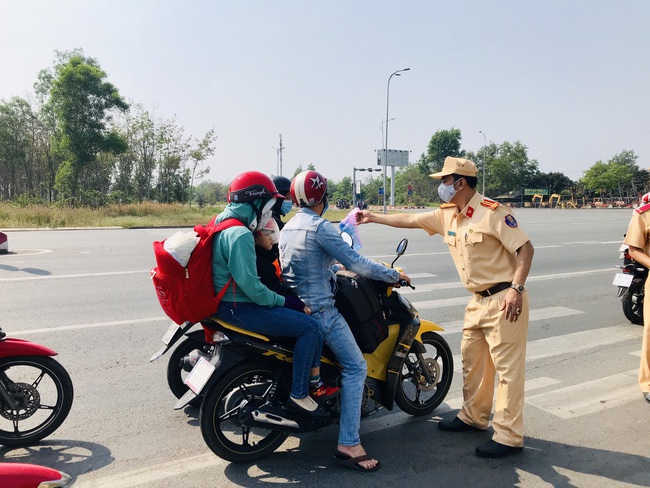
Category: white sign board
<point>396,157</point>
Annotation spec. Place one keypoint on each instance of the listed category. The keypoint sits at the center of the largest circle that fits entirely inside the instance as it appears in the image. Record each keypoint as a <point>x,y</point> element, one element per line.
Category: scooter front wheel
<point>223,428</point>
<point>415,395</point>
<point>41,392</point>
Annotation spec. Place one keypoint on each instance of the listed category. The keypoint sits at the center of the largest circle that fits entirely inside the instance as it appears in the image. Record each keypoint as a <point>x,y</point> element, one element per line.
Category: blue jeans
<point>338,336</point>
<point>280,321</point>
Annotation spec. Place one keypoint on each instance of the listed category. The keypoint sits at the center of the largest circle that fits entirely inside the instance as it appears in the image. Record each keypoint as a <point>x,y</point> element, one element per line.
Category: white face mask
<point>267,214</point>
<point>446,192</point>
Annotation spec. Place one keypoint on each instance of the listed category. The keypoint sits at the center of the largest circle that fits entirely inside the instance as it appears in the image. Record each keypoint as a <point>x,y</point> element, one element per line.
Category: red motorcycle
<point>19,475</point>
<point>35,392</point>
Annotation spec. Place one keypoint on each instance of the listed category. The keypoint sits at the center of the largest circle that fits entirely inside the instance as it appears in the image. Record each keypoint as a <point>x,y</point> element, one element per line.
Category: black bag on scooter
<point>360,305</point>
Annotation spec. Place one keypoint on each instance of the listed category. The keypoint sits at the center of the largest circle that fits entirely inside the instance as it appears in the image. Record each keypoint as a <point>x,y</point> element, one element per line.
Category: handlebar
<point>405,283</point>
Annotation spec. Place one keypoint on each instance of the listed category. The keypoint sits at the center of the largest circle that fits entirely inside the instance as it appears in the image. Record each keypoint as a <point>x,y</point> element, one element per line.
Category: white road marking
<point>535,314</point>
<point>572,343</point>
<point>443,302</point>
<point>90,326</point>
<point>455,284</point>
<point>26,252</point>
<point>80,275</point>
<point>156,472</point>
<point>415,276</point>
<point>399,417</point>
<point>589,397</point>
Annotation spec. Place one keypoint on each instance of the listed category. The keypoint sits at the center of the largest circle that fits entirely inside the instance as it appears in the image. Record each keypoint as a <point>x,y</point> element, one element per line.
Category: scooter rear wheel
<point>414,394</point>
<point>632,301</point>
<point>223,430</point>
<point>175,372</point>
<point>43,392</point>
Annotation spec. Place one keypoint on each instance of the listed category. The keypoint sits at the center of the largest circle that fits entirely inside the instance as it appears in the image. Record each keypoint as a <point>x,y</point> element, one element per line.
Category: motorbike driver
<point>309,247</point>
<point>248,303</point>
<point>282,207</point>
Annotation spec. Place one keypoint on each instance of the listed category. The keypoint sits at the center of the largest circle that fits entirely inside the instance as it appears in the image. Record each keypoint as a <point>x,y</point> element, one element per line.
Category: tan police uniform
<point>638,235</point>
<point>482,239</point>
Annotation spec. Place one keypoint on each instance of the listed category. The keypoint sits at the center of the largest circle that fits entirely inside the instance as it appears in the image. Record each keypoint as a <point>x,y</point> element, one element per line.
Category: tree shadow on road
<point>34,271</point>
<point>416,454</point>
<point>72,457</point>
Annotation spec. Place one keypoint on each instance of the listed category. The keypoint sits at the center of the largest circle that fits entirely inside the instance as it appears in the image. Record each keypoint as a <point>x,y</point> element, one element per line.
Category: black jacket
<point>266,272</point>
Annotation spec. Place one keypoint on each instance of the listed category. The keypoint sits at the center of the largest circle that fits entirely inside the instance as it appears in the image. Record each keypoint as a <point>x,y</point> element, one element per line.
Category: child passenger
<point>269,272</point>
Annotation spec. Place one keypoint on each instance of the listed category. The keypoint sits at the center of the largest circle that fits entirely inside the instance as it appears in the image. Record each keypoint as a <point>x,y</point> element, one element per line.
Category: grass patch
<point>127,216</point>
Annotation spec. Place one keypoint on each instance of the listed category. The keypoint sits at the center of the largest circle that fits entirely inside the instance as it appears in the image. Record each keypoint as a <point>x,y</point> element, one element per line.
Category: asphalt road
<point>87,294</point>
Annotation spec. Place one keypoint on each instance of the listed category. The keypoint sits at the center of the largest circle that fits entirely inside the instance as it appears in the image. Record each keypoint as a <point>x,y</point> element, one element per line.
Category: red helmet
<point>308,188</point>
<point>250,186</point>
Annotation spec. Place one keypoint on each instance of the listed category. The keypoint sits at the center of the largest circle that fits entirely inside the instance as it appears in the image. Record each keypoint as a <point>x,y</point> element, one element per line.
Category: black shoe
<point>646,394</point>
<point>455,425</point>
<point>494,449</point>
<point>317,413</point>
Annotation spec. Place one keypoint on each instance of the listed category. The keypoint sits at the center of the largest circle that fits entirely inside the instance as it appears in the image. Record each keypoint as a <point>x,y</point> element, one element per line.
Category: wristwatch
<point>518,288</point>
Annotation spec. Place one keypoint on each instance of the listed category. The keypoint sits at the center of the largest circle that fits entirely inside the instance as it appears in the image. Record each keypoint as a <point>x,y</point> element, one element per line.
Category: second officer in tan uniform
<point>493,257</point>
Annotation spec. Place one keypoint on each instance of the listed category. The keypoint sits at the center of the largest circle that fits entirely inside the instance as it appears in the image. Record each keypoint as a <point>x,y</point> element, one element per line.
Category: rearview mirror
<point>401,247</point>
<point>347,238</point>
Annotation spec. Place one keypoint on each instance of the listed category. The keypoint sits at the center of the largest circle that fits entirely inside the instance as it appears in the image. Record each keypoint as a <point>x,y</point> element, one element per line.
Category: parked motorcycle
<point>23,475</point>
<point>35,392</point>
<point>630,283</point>
<point>237,372</point>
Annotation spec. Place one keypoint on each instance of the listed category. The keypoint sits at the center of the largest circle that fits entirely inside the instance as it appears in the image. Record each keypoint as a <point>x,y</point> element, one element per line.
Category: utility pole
<point>280,152</point>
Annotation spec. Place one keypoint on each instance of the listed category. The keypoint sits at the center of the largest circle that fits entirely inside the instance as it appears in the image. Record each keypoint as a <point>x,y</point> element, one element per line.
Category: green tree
<point>616,178</point>
<point>15,168</point>
<point>424,188</point>
<point>508,168</point>
<point>340,190</point>
<point>554,182</point>
<point>202,151</point>
<point>442,144</point>
<point>82,101</point>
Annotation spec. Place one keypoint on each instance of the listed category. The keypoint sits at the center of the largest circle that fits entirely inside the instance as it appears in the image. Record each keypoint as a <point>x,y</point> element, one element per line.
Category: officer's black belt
<point>495,289</point>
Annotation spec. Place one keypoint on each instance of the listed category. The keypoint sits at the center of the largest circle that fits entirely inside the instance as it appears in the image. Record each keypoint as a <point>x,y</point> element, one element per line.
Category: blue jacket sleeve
<point>331,241</point>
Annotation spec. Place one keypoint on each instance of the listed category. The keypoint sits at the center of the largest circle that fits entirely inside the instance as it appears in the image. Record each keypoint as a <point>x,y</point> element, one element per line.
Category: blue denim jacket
<point>309,248</point>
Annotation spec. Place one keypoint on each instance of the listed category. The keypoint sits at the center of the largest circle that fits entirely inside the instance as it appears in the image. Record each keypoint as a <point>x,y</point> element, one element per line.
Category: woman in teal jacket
<point>248,303</point>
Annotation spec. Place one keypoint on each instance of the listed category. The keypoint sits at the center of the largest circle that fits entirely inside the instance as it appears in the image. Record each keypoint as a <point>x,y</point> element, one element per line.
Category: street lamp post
<point>381,128</point>
<point>354,181</point>
<point>481,132</point>
<point>396,73</point>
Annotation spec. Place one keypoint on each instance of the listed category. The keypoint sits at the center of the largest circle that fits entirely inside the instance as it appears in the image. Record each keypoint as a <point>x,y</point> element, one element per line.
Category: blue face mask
<point>327,206</point>
<point>286,207</point>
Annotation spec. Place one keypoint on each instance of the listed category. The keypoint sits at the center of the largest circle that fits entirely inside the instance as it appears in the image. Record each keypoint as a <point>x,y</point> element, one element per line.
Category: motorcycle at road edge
<point>630,283</point>
<point>235,372</point>
<point>36,391</point>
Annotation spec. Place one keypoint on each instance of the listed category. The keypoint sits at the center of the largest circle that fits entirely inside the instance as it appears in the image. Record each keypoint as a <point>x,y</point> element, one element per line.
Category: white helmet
<point>272,230</point>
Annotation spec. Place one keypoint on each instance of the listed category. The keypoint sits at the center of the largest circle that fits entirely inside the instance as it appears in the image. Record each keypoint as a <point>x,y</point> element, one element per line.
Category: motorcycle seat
<point>289,342</point>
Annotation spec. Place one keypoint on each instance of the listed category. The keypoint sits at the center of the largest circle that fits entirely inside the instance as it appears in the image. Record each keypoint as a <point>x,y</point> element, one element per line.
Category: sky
<point>570,79</point>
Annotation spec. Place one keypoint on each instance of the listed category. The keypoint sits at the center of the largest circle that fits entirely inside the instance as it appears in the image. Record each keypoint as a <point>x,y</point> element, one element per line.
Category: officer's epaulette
<point>643,208</point>
<point>486,202</point>
<point>447,205</point>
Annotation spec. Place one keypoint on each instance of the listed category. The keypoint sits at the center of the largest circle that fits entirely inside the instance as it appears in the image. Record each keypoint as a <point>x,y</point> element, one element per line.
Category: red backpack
<point>187,293</point>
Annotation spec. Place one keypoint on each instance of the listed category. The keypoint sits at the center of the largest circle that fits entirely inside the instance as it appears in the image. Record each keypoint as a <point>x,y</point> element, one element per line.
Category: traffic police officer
<point>637,239</point>
<point>493,257</point>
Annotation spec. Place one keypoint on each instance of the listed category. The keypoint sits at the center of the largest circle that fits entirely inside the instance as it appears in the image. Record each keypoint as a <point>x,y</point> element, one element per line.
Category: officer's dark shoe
<point>494,449</point>
<point>455,425</point>
<point>646,394</point>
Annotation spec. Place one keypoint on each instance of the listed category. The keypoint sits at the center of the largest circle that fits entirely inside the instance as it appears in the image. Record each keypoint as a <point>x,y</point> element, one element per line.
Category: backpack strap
<point>204,231</point>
